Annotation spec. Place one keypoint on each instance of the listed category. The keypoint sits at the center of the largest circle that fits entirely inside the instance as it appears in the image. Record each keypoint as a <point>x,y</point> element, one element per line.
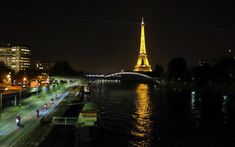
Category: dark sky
<point>96,35</point>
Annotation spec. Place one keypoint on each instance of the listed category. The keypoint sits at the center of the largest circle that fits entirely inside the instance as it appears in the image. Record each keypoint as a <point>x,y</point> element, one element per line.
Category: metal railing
<point>64,120</point>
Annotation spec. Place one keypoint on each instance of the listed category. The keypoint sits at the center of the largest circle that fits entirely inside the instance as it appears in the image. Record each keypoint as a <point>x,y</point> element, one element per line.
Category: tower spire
<point>142,20</point>
<point>142,62</point>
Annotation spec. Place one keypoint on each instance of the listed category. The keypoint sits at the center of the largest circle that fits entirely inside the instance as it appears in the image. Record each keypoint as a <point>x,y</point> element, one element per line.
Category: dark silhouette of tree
<point>231,72</point>
<point>4,70</point>
<point>224,69</point>
<point>202,74</point>
<point>158,71</point>
<point>177,69</point>
<point>221,71</point>
<point>62,68</point>
<point>28,73</point>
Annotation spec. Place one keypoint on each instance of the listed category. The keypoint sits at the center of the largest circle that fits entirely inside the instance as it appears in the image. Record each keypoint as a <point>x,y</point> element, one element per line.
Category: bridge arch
<point>119,74</point>
<point>128,73</point>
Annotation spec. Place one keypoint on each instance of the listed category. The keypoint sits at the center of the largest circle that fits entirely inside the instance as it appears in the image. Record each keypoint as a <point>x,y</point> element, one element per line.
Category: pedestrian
<point>18,119</point>
<point>37,113</point>
<point>56,97</point>
<point>52,100</point>
<point>45,106</point>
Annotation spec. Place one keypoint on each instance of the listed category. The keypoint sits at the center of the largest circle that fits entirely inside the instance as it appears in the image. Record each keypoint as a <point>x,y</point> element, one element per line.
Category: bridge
<point>79,80</point>
<point>120,74</point>
<point>125,75</point>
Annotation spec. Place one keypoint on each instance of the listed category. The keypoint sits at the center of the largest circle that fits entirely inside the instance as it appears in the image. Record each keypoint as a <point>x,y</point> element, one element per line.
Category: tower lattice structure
<point>142,64</point>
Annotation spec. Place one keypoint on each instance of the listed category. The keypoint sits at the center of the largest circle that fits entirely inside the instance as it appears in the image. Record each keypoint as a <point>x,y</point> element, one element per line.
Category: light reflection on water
<point>193,98</point>
<point>142,117</point>
<point>139,115</point>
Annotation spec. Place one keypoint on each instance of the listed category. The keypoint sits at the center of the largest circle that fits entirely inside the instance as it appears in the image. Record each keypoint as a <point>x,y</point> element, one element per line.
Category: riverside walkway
<point>10,133</point>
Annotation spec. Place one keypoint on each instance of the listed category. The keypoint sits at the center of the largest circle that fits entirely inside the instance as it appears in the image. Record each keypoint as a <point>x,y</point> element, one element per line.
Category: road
<point>9,132</point>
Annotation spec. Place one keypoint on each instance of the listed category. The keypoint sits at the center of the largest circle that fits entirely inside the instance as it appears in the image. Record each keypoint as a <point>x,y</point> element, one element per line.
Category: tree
<point>4,70</point>
<point>177,69</point>
<point>223,69</point>
<point>202,74</point>
<point>62,68</point>
<point>158,71</point>
<point>28,73</point>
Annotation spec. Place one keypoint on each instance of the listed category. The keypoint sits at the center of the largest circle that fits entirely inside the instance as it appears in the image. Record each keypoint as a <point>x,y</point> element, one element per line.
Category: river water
<point>144,115</point>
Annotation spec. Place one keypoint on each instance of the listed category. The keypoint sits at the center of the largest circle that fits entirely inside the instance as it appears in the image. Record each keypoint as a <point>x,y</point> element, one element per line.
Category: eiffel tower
<point>142,64</point>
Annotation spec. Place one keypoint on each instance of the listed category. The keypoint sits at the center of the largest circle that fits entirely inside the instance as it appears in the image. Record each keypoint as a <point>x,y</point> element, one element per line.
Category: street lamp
<point>37,89</point>
<point>24,81</point>
<point>20,99</point>
<point>8,79</point>
<point>1,104</point>
<point>9,76</point>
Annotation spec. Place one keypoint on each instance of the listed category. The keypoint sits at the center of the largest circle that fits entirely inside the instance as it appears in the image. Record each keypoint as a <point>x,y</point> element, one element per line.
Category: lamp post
<point>9,78</point>
<point>20,99</point>
<point>1,104</point>
<point>24,81</point>
<point>37,90</point>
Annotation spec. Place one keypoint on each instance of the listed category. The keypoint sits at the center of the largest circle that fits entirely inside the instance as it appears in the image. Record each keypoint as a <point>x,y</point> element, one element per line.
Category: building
<point>42,68</point>
<point>41,65</point>
<point>17,57</point>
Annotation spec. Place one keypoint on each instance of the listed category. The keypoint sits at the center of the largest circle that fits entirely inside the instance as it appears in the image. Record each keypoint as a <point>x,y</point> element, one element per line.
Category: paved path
<point>9,132</point>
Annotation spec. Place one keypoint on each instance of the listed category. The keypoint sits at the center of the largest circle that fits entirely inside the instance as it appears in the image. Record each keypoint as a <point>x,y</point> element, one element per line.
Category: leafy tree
<point>158,71</point>
<point>28,73</point>
<point>177,69</point>
<point>62,68</point>
<point>4,70</point>
<point>224,69</point>
<point>202,74</point>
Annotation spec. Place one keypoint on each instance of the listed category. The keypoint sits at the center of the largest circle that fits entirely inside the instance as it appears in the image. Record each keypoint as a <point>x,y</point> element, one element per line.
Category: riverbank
<point>44,126</point>
<point>143,115</point>
<point>62,135</point>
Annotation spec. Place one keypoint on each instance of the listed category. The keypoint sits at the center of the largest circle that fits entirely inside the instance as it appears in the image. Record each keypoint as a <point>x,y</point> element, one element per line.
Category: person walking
<point>45,106</point>
<point>52,101</point>
<point>37,113</point>
<point>18,119</point>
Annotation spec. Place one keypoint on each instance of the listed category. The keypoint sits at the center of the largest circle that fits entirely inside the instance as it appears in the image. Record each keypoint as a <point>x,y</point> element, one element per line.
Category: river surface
<point>144,115</point>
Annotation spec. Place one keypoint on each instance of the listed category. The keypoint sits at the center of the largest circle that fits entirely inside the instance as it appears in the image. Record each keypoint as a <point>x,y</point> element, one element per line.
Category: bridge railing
<point>128,73</point>
<point>64,120</point>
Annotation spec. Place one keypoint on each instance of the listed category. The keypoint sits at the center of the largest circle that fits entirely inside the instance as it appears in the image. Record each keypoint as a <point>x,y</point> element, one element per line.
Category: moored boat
<point>86,90</point>
<point>88,128</point>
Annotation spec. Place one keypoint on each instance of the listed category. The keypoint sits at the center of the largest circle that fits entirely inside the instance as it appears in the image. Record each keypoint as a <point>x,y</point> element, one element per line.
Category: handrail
<point>64,120</point>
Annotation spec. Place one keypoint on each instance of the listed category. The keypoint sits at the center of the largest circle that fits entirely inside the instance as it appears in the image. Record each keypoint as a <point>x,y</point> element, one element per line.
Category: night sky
<point>104,36</point>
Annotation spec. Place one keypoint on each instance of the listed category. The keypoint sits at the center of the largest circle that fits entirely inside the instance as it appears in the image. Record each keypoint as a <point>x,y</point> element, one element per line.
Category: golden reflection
<point>143,112</point>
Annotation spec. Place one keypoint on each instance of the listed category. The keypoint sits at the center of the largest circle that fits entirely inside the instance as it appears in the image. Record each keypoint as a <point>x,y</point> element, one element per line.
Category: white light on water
<point>193,99</point>
<point>225,97</point>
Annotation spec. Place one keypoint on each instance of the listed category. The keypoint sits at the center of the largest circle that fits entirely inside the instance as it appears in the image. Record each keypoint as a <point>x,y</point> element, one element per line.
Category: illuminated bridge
<point>120,74</point>
<point>71,79</point>
<point>125,76</point>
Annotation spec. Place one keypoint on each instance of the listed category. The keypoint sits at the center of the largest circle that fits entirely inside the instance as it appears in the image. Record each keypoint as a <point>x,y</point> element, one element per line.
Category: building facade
<point>16,57</point>
<point>41,65</point>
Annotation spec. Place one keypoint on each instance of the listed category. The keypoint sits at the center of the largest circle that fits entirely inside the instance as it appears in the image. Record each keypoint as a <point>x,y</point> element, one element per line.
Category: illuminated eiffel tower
<point>142,64</point>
